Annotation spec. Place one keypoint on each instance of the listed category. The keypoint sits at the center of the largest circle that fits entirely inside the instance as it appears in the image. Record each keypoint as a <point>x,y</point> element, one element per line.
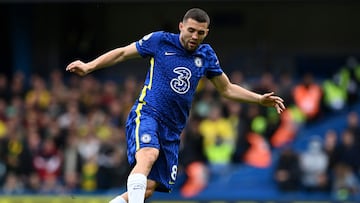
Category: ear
<point>181,25</point>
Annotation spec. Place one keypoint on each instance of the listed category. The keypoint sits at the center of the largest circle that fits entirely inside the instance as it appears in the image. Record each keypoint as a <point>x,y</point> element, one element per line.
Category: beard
<point>191,45</point>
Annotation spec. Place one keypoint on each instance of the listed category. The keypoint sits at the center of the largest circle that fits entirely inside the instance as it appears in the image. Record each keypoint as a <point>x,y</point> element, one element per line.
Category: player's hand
<point>78,67</point>
<point>270,100</point>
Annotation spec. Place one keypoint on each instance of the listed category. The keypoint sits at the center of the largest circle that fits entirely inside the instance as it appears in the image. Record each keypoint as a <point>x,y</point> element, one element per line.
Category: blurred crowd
<point>66,134</point>
<point>330,162</point>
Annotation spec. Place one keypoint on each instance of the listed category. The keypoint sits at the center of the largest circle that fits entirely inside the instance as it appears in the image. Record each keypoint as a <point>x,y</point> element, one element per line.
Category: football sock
<point>136,186</point>
<point>118,199</point>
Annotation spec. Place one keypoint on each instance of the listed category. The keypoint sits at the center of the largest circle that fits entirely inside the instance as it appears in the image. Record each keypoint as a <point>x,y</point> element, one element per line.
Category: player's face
<point>192,33</point>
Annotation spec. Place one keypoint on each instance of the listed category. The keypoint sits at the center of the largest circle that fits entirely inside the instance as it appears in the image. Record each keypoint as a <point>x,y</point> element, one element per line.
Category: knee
<point>149,155</point>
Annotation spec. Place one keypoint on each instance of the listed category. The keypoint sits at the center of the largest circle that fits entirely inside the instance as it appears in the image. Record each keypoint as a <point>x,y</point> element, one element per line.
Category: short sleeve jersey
<point>173,76</point>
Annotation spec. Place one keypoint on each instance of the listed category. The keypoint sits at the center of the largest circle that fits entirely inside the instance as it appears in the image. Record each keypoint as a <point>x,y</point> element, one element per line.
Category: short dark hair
<point>198,15</point>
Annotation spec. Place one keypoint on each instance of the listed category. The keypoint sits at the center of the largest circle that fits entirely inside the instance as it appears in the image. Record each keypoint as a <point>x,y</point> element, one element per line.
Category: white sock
<point>136,186</point>
<point>118,199</point>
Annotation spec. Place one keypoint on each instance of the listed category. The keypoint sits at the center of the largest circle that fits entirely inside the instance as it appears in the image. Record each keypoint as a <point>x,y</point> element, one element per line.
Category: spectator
<point>266,83</point>
<point>314,163</point>
<point>18,86</point>
<point>70,184</point>
<point>13,185</point>
<point>308,96</point>
<point>53,130</point>
<point>88,145</point>
<point>286,88</point>
<point>55,107</point>
<point>38,96</point>
<point>57,87</point>
<point>33,183</point>
<point>48,162</point>
<point>88,148</point>
<point>16,108</point>
<point>258,154</point>
<point>354,126</point>
<point>89,172</point>
<point>90,94</point>
<point>51,185</point>
<point>31,148</point>
<point>109,93</point>
<point>203,100</point>
<point>2,168</point>
<point>193,160</point>
<point>331,149</point>
<point>334,97</point>
<point>109,161</point>
<point>290,122</point>
<point>4,88</point>
<point>237,77</point>
<point>3,118</point>
<point>72,163</point>
<point>13,147</point>
<point>349,79</point>
<point>347,150</point>
<point>287,170</point>
<point>72,117</point>
<point>130,86</point>
<point>234,113</point>
<point>218,140</point>
<point>3,114</point>
<point>346,185</point>
<point>116,113</point>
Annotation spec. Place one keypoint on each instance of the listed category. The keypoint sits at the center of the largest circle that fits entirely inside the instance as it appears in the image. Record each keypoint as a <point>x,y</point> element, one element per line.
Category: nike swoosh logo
<point>169,53</point>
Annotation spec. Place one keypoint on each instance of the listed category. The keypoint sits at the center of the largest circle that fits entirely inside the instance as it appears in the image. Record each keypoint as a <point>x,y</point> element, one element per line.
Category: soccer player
<point>177,63</point>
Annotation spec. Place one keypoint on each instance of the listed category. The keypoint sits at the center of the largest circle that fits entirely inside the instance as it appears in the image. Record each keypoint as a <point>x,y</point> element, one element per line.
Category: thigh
<point>141,132</point>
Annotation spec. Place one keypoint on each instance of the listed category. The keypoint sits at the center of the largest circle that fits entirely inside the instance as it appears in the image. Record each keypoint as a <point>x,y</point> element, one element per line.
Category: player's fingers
<point>277,98</point>
<point>282,106</point>
<point>279,109</point>
<point>73,65</point>
<point>268,94</point>
<point>72,69</point>
<point>70,66</point>
<point>280,99</point>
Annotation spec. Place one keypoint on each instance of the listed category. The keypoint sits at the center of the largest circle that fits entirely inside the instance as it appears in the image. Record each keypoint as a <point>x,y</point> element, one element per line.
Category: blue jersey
<point>173,77</point>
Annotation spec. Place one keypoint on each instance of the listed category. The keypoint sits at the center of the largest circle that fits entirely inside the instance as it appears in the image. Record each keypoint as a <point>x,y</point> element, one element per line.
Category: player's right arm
<point>107,59</point>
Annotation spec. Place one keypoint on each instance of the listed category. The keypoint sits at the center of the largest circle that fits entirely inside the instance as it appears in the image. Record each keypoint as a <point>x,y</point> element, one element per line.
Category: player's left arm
<point>238,93</point>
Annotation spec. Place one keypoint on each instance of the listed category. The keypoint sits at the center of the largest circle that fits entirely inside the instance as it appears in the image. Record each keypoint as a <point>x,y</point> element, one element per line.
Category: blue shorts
<point>143,130</point>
